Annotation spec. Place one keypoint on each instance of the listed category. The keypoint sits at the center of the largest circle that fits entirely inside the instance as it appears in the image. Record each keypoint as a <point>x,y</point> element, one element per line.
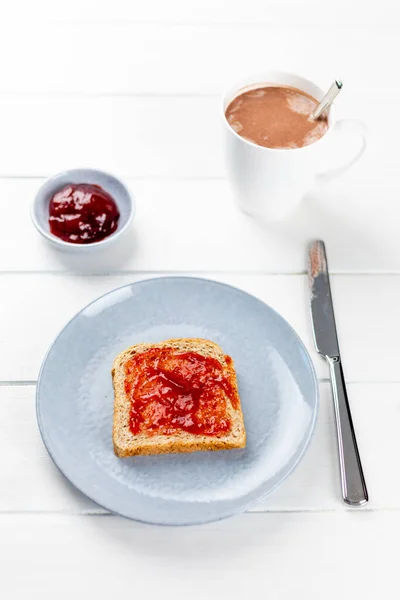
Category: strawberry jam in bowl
<point>82,209</point>
<point>83,213</point>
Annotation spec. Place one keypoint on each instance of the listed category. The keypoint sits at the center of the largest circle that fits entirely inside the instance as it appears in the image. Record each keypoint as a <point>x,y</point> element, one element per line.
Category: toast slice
<point>126,443</point>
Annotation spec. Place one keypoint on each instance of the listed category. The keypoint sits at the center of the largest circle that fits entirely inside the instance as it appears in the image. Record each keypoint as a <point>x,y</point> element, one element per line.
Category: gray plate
<point>277,386</point>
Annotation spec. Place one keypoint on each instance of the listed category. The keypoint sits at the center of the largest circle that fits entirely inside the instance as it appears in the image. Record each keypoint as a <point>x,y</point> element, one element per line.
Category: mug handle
<point>352,126</point>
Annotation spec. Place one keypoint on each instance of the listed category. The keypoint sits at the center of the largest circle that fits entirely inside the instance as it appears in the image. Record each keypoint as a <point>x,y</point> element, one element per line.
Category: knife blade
<point>324,326</point>
<point>354,489</point>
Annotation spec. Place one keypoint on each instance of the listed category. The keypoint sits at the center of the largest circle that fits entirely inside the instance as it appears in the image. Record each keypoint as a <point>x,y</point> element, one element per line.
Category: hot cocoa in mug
<point>276,152</point>
<point>276,117</point>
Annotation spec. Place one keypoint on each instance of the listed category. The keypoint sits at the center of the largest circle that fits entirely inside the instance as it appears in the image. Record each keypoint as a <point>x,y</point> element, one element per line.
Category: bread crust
<point>127,444</point>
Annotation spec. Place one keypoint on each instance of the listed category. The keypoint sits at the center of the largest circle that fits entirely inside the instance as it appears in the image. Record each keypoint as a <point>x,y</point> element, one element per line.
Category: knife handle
<point>354,489</point>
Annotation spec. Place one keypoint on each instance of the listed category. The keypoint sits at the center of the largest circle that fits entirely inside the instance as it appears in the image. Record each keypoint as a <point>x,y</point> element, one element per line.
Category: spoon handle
<point>327,99</point>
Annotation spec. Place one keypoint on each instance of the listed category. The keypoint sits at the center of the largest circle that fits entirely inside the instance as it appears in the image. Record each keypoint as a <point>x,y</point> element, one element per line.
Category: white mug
<point>269,182</point>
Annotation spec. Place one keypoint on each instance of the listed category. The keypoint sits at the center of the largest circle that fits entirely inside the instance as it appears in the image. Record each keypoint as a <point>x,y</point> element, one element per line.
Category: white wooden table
<point>133,87</point>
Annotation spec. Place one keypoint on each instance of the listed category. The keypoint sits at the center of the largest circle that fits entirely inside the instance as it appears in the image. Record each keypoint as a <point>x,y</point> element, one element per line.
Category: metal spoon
<point>327,99</point>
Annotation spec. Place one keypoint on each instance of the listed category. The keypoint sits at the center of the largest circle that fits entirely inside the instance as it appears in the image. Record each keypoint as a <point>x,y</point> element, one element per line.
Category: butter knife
<point>354,489</point>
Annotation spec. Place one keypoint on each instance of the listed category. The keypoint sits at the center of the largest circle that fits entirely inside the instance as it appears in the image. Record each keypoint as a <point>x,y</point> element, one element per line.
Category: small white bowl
<point>119,192</point>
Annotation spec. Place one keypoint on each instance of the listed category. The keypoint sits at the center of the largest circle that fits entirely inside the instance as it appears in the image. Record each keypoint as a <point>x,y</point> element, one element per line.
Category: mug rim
<point>259,77</point>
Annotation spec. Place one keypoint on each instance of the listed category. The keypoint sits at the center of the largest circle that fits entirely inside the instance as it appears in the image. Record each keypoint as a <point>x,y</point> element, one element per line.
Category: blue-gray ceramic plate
<point>277,386</point>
